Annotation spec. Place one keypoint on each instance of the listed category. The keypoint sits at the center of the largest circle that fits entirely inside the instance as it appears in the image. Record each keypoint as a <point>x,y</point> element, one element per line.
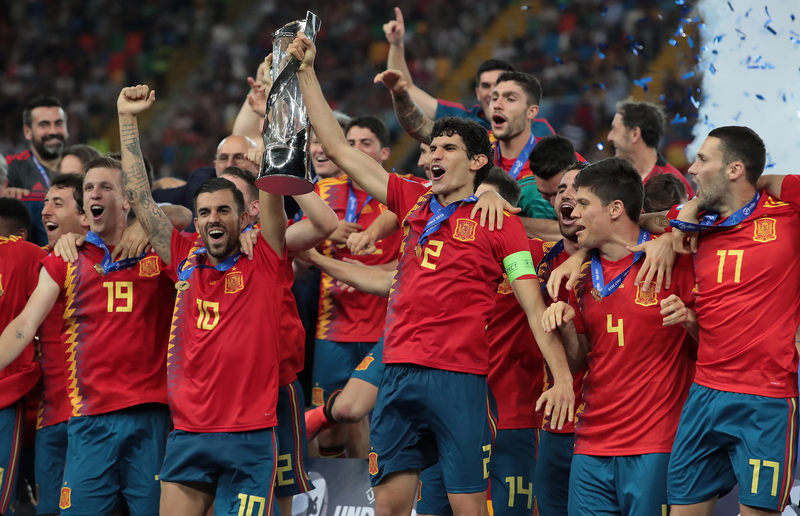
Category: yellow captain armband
<point>518,264</point>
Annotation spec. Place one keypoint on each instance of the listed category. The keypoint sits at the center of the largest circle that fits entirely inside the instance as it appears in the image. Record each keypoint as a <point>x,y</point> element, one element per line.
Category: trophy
<point>285,162</point>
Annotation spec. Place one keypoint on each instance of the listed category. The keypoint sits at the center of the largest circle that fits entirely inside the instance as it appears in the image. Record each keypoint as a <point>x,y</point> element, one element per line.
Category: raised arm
<point>395,31</point>
<point>411,117</point>
<point>130,103</point>
<point>319,225</point>
<point>372,280</point>
<point>363,169</point>
<point>273,221</point>
<point>771,184</point>
<point>251,115</point>
<point>20,332</point>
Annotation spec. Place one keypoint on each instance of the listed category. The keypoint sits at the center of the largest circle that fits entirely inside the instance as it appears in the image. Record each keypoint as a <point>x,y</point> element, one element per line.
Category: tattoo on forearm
<point>20,335</point>
<point>412,119</point>
<point>137,190</point>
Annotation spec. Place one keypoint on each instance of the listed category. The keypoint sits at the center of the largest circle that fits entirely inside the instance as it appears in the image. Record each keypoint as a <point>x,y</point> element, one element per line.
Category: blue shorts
<point>432,495</point>
<point>371,368</point>
<point>726,437</point>
<point>334,362</point>
<point>553,465</point>
<point>240,466</point>
<point>292,477</point>
<point>614,486</point>
<point>120,451</point>
<point>51,457</point>
<point>423,416</point>
<point>12,430</point>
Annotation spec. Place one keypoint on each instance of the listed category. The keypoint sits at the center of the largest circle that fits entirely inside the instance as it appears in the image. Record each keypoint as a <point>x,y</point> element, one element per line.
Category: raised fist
<point>135,99</point>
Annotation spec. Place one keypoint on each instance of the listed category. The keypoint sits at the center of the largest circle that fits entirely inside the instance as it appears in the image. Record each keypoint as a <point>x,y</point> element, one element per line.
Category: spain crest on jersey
<point>505,286</point>
<point>373,463</point>
<point>65,502</point>
<point>764,230</point>
<point>234,282</point>
<point>646,297</point>
<point>149,267</point>
<point>465,230</point>
<point>317,396</point>
<point>365,363</point>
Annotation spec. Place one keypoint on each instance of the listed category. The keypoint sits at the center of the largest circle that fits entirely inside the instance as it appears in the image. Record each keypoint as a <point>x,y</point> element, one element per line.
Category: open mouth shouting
<point>216,235</point>
<point>565,212</point>
<point>97,211</point>
<point>437,171</point>
<point>498,121</point>
<point>50,226</point>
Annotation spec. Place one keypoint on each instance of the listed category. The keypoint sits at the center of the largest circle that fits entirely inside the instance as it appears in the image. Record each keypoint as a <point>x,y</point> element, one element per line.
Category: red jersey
<point>540,248</point>
<point>223,361</point>
<point>748,300</point>
<point>441,302</point>
<point>292,349</point>
<point>515,361</point>
<point>19,275</point>
<point>662,167</point>
<point>352,316</point>
<point>639,370</point>
<point>114,331</point>
<point>54,404</point>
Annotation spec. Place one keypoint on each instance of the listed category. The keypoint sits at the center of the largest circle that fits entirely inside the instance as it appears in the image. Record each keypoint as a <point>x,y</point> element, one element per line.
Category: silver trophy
<point>284,165</point>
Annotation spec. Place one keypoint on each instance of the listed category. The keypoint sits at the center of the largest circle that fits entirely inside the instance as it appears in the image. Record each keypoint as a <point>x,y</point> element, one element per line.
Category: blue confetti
<point>705,120</point>
<point>758,58</point>
<point>747,14</point>
<point>759,96</point>
<point>746,94</point>
<point>671,103</point>
<point>635,52</point>
<point>742,35</point>
<point>679,32</point>
<point>714,52</point>
<point>662,97</point>
<point>599,85</point>
<point>645,80</point>
<point>687,75</point>
<point>642,20</point>
<point>718,38</point>
<point>563,7</point>
<point>770,165</point>
<point>559,61</point>
<point>729,5</point>
<point>736,118</point>
<point>704,48</point>
<point>766,9</point>
<point>694,102</point>
<point>673,42</point>
<point>600,54</point>
<point>712,69</point>
<point>792,17</point>
<point>784,97</point>
<point>690,41</point>
<point>679,2</point>
<point>793,39</point>
<point>604,11</point>
<point>771,30</point>
<point>678,119</point>
<point>600,146</point>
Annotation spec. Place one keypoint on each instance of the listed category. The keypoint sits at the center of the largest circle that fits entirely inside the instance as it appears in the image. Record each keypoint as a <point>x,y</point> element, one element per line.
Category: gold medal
<point>418,251</point>
<point>100,270</point>
<point>1,292</point>
<point>183,286</point>
<point>662,221</point>
<point>597,295</point>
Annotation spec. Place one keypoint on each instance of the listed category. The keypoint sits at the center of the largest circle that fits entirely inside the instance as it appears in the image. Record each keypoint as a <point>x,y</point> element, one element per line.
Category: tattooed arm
<point>411,117</point>
<point>20,332</point>
<point>130,103</point>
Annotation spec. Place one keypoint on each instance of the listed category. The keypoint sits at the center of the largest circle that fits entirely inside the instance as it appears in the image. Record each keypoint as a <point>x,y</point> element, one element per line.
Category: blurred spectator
<point>168,182</point>
<point>663,192</point>
<point>75,157</point>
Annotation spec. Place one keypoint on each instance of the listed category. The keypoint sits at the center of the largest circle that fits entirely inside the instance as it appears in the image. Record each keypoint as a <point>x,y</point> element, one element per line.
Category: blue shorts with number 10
<point>423,416</point>
<point>725,438</point>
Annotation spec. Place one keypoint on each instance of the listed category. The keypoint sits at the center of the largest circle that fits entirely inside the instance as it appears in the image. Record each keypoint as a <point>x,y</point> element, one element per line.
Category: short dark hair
<point>27,113</point>
<point>648,117</point>
<point>529,84</point>
<point>508,188</point>
<point>102,162</point>
<point>83,152</point>
<point>148,167</point>
<point>475,138</point>
<point>614,179</point>
<point>217,184</point>
<point>15,212</point>
<point>551,155</point>
<point>493,64</point>
<point>246,176</point>
<point>372,123</point>
<point>739,143</point>
<point>662,192</point>
<point>74,181</point>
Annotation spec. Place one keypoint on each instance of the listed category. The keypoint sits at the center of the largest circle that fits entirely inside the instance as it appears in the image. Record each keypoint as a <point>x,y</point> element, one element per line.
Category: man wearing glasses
<point>231,152</point>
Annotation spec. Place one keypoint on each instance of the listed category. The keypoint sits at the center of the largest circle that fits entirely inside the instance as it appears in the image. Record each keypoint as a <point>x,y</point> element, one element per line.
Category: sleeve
<point>447,108</point>
<point>790,191</point>
<point>580,325</point>
<point>511,248</point>
<point>684,272</point>
<point>402,194</point>
<point>537,250</point>
<point>269,261</point>
<point>56,267</point>
<point>532,203</point>
<point>34,258</point>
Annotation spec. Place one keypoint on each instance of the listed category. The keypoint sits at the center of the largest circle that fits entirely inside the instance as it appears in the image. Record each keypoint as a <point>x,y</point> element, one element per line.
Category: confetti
<point>680,32</point>
<point>600,146</point>
<point>759,96</point>
<point>766,9</point>
<point>718,38</point>
<point>747,14</point>
<point>784,97</point>
<point>736,118</point>
<point>604,11</point>
<point>695,103</point>
<point>742,35</point>
<point>771,30</point>
<point>704,48</point>
<point>559,61</point>
<point>673,42</point>
<point>792,17</point>
<point>712,69</point>
<point>690,42</point>
<point>563,7</point>
<point>599,85</point>
<point>729,5</point>
<point>600,54</point>
<point>678,119</point>
<point>687,75</point>
<point>662,97</point>
<point>679,2</point>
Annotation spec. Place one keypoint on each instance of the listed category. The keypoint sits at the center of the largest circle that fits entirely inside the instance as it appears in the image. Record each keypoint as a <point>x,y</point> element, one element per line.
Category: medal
<point>100,270</point>
<point>418,251</point>
<point>182,286</point>
<point>597,295</point>
<point>662,221</point>
<point>1,292</point>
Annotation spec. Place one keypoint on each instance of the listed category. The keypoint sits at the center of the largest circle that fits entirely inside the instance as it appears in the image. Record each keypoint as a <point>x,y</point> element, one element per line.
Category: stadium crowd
<point>554,334</point>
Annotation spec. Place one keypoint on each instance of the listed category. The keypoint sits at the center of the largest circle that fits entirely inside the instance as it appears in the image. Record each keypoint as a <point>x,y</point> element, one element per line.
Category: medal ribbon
<point>597,269</point>
<point>440,214</point>
<point>710,218</point>
<point>353,213</point>
<point>521,159</point>
<point>106,264</point>
<point>543,267</point>
<point>184,273</point>
<point>41,171</point>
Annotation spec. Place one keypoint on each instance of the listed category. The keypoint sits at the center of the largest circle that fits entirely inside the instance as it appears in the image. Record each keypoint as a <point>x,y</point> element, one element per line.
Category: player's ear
<point>385,153</point>
<point>735,170</point>
<point>532,112</point>
<point>478,162</point>
<point>22,233</point>
<point>28,132</point>
<point>616,209</point>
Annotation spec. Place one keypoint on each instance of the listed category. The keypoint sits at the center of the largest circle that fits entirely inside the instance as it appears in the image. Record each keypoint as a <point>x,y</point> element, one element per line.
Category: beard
<point>712,195</point>
<point>52,149</point>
